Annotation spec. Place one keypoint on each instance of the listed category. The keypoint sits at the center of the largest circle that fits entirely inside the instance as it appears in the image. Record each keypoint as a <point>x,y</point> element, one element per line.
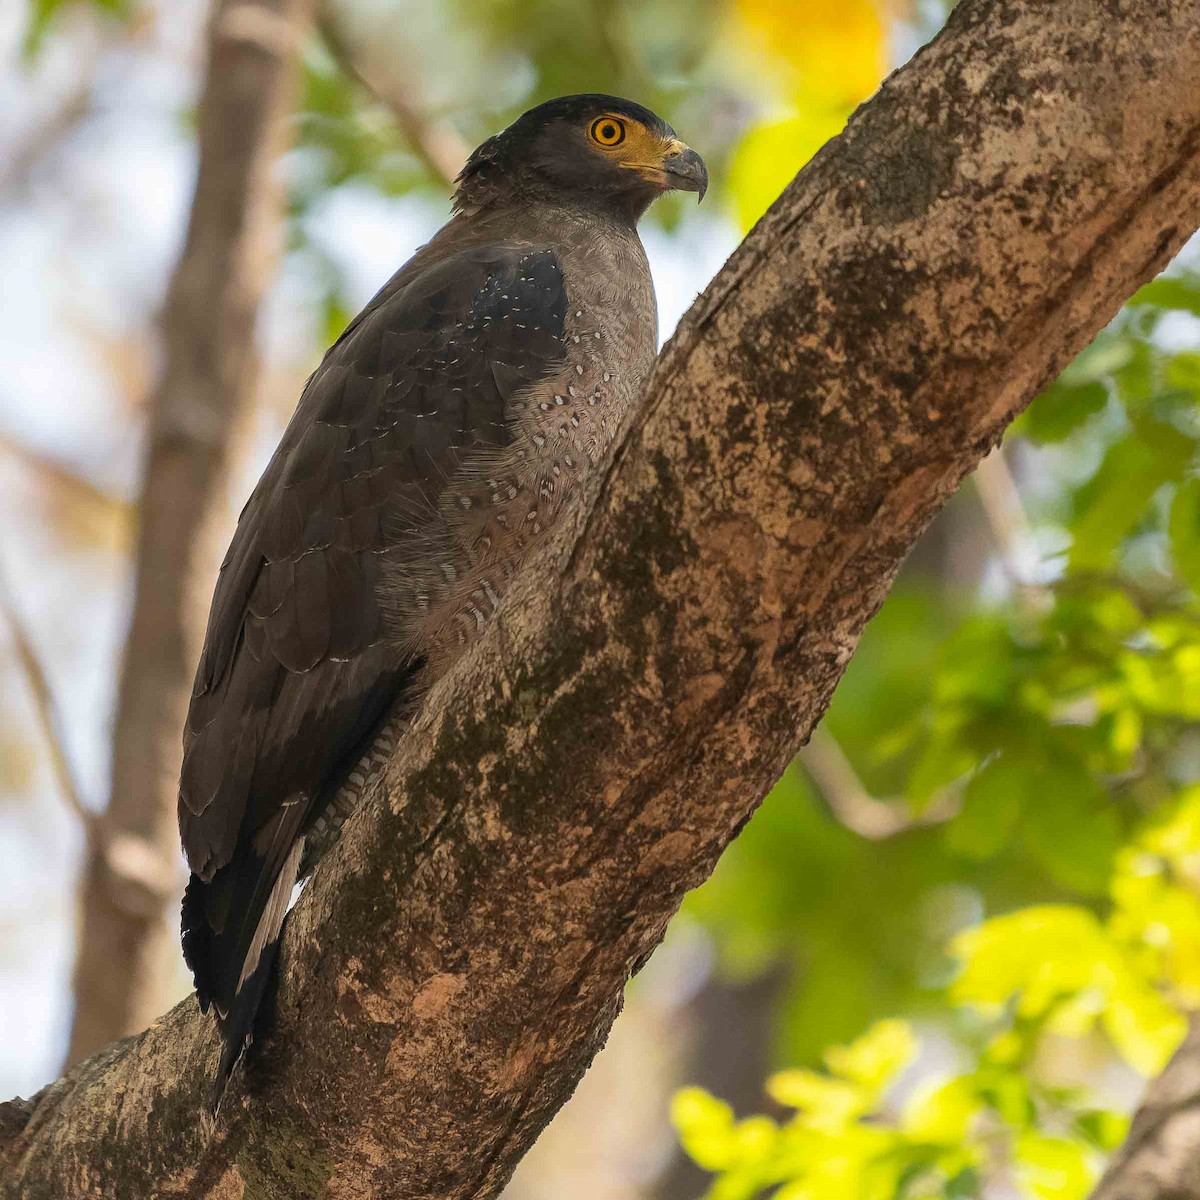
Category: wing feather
<point>297,667</point>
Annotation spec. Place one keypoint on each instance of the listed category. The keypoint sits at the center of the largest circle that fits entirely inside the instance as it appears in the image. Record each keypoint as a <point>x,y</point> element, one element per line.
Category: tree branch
<point>131,879</point>
<point>458,960</point>
<point>1006,517</point>
<point>59,475</point>
<point>438,145</point>
<point>44,706</point>
<point>21,161</point>
<point>853,806</point>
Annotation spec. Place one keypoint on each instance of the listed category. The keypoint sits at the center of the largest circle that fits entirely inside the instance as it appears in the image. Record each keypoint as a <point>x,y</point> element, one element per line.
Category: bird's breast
<point>562,429</point>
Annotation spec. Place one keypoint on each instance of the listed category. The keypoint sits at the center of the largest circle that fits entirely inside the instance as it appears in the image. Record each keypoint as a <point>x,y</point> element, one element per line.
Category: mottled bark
<point>459,958</point>
<point>125,967</point>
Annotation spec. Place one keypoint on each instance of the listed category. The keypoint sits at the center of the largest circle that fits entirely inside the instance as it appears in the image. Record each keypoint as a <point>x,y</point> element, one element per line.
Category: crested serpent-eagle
<point>438,440</point>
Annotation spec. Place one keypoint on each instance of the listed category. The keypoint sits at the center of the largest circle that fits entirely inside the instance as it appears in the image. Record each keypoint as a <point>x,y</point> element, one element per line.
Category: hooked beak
<point>684,170</point>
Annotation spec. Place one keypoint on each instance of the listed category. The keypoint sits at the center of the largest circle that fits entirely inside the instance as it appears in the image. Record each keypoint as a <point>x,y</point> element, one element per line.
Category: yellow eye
<point>607,131</point>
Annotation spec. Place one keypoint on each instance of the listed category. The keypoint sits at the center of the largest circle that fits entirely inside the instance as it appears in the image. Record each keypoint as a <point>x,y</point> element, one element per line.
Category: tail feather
<point>237,1026</point>
<point>232,959</point>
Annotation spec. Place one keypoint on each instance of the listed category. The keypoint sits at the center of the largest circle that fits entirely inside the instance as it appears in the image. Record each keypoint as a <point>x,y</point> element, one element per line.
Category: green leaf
<point>992,802</point>
<point>1184,531</point>
<point>1061,410</point>
<point>336,317</point>
<point>705,1126</point>
<point>1142,1025</point>
<point>769,156</point>
<point>1041,954</point>
<point>1071,828</point>
<point>1167,684</point>
<point>965,1185</point>
<point>1052,1168</point>
<point>1081,391</point>
<point>832,1102</point>
<point>1183,372</point>
<point>1109,353</point>
<point>1104,1129</point>
<point>1114,500</point>
<point>1178,292</point>
<point>872,1060</point>
<point>943,1113</point>
<point>943,759</point>
<point>42,14</point>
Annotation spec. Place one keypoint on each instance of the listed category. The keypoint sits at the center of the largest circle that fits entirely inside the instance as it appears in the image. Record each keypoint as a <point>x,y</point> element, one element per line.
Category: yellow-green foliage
<point>1043,971</point>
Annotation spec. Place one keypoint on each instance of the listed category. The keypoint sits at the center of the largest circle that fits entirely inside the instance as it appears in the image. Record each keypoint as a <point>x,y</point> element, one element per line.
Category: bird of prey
<point>438,440</point>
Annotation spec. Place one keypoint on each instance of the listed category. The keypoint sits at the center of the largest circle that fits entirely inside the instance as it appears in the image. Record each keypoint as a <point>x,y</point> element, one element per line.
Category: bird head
<point>592,150</point>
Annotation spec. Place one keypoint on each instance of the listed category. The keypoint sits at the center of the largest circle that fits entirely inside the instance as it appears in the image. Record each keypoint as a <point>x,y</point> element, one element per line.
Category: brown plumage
<point>439,438</point>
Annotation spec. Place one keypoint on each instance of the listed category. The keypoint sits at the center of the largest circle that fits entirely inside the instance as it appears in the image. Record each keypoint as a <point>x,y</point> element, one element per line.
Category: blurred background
<point>964,928</point>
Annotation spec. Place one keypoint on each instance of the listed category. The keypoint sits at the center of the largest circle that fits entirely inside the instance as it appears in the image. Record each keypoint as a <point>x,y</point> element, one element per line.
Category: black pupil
<point>608,132</point>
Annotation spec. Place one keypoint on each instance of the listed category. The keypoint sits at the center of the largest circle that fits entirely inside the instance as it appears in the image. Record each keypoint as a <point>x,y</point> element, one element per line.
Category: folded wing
<point>298,666</point>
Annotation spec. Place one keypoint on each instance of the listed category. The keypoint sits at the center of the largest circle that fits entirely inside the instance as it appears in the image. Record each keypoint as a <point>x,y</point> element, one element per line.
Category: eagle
<point>440,438</point>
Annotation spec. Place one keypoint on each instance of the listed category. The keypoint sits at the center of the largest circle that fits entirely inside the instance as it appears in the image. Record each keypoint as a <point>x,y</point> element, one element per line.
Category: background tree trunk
<point>730,1029</point>
<point>456,963</point>
<point>131,884</point>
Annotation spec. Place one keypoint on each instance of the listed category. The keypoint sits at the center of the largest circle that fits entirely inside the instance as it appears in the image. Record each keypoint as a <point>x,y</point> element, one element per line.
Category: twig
<point>63,475</point>
<point>436,143</point>
<point>22,159</point>
<point>46,709</point>
<point>853,806</point>
<point>1001,502</point>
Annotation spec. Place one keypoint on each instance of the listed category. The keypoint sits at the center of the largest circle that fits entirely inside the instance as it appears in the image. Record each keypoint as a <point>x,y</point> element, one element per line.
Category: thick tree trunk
<point>132,879</point>
<point>459,958</point>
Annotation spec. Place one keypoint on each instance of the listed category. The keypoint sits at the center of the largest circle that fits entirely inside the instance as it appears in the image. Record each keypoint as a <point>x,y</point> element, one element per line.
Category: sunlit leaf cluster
<point>820,65</point>
<point>844,1132</point>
